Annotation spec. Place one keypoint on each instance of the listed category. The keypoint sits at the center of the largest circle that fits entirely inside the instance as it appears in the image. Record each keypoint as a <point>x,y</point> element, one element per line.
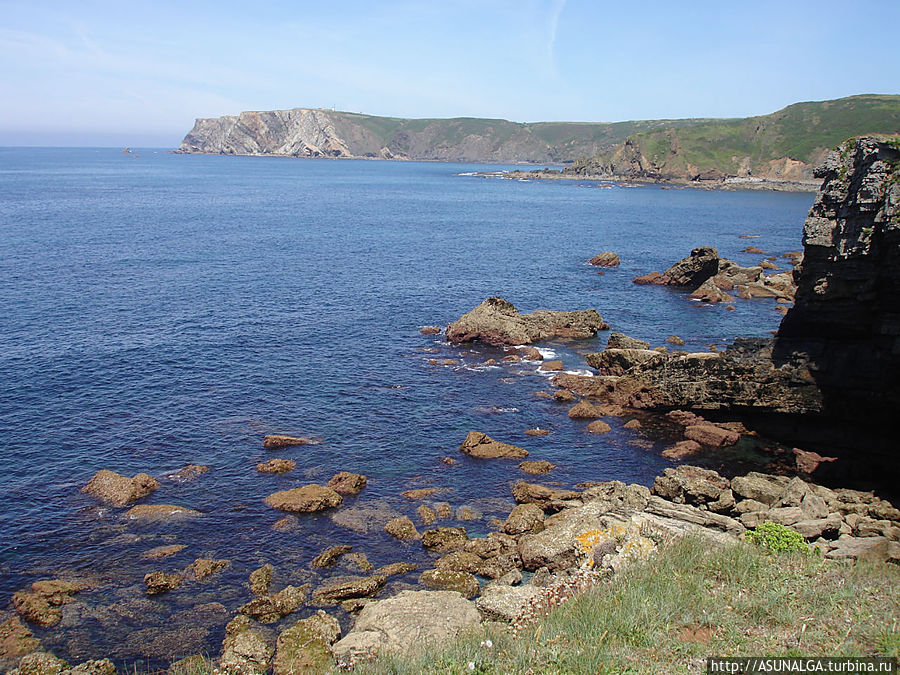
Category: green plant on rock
<point>777,538</point>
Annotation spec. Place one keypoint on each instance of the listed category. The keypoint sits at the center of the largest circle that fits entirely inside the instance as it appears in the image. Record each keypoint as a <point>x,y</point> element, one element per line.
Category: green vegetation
<point>777,538</point>
<point>690,602</point>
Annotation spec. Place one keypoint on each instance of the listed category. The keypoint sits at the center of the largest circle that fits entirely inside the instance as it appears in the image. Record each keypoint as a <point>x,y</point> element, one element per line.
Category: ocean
<point>159,310</point>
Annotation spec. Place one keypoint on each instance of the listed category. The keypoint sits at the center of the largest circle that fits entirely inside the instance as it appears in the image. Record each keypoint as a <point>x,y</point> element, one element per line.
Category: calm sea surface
<point>162,310</point>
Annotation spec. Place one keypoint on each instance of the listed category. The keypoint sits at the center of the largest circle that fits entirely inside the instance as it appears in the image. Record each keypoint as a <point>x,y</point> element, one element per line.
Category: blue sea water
<point>159,310</point>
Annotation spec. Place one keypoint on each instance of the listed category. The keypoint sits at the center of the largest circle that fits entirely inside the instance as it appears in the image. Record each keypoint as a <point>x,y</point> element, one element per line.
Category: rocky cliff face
<point>832,374</point>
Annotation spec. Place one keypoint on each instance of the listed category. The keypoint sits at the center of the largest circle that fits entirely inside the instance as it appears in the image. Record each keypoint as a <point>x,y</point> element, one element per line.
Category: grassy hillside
<point>785,144</point>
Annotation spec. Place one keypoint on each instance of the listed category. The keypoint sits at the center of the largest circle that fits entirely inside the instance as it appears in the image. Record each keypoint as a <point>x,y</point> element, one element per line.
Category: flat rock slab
<point>505,603</point>
<point>410,621</point>
<point>481,445</point>
<point>305,499</point>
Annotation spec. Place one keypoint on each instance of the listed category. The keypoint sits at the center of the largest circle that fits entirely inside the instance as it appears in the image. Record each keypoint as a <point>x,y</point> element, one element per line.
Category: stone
<point>616,362</point>
<point>480,445</point>
<point>467,513</point>
<point>244,650</point>
<point>402,528</point>
<point>459,561</point>
<point>305,647</point>
<point>276,441</point>
<point>430,330</point>
<point>691,272</point>
<point>614,495</point>
<point>647,279</point>
<point>426,514</point>
<point>443,510</point>
<point>16,640</point>
<point>344,588</point>
<point>690,484</point>
<point>622,341</point>
<point>162,582</point>
<point>759,487</point>
<point>807,461</point>
<point>530,353</point>
<point>710,434</point>
<point>545,497</point>
<point>397,568</point>
<point>359,560</point>
<point>261,579</point>
<point>496,321</point>
<point>329,556</point>
<point>305,499</point>
<point>819,527</point>
<point>41,604</point>
<point>691,514</point>
<point>445,539</point>
<point>633,425</point>
<point>551,366</point>
<point>115,489</point>
<point>40,663</point>
<point>563,396</point>
<point>847,547</point>
<point>188,473</point>
<point>675,340</point>
<point>583,410</point>
<point>406,624</point>
<point>450,580</point>
<point>421,493</point>
<point>599,427</point>
<point>537,467</point>
<point>505,602</point>
<point>537,431</point>
<point>158,552</point>
<point>524,519</point>
<point>203,568</point>
<point>605,259</point>
<point>155,513</point>
<point>346,483</point>
<point>682,449</point>
<point>270,608</point>
<point>276,466</point>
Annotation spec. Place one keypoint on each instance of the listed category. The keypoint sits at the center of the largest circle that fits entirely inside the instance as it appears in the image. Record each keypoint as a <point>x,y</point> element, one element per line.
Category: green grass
<point>688,603</point>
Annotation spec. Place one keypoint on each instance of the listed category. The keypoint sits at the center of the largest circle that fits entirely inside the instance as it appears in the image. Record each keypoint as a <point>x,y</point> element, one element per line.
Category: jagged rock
<point>478,444</point>
<point>158,552</point>
<point>244,649</point>
<point>276,466</point>
<point>605,259</point>
<point>344,588</point>
<point>117,490</point>
<point>622,341</point>
<point>614,495</point>
<point>402,528</point>
<point>491,546</point>
<point>41,604</point>
<point>40,663</point>
<point>615,362</point>
<point>426,514</point>
<point>691,514</point>
<point>305,647</point>
<point>524,519</point>
<point>346,483</point>
<point>16,640</point>
<point>329,556</point>
<point>760,487</point>
<point>407,622</point>
<point>599,427</point>
<point>690,484</point>
<point>202,568</point>
<point>692,271</point>
<point>681,449</point>
<point>497,322</point>
<point>154,513</point>
<point>710,434</point>
<point>546,498</point>
<point>397,568</point>
<point>260,579</point>
<point>445,539</point>
<point>276,441</point>
<point>709,292</point>
<point>537,467</point>
<point>162,582</point>
<point>271,608</point>
<point>305,499</point>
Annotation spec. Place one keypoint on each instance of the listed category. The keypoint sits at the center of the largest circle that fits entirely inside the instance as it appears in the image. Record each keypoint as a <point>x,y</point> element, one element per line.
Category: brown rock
<point>117,490</point>
<point>305,499</point>
<point>675,340</point>
<point>426,514</point>
<point>202,568</point>
<point>708,291</point>
<point>304,647</point>
<point>402,528</point>
<point>449,580</point>
<point>276,466</point>
<point>162,551</point>
<point>443,510</point>
<point>443,362</point>
<point>188,473</point>
<point>350,587</point>
<point>430,330</point>
<point>690,484</point>
<point>708,434</point>
<point>647,279</point>
<point>584,410</point>
<point>681,450</point>
<point>271,608</point>
<point>478,444</point>
<point>329,556</point>
<point>346,483</point>
<point>275,441</point>
<point>599,427</point>
<point>397,568</point>
<point>16,640</point>
<point>537,467</point>
<point>261,579</point>
<point>449,461</point>
<point>524,519</point>
<point>421,493</point>
<point>537,432</point>
<point>152,513</point>
<point>445,539</point>
<point>633,425</point>
<point>459,561</point>
<point>511,358</point>
<point>545,497</point>
<point>605,259</point>
<point>551,366</point>
<point>808,461</point>
<point>530,353</point>
<point>753,249</point>
<point>563,395</point>
<point>162,582</point>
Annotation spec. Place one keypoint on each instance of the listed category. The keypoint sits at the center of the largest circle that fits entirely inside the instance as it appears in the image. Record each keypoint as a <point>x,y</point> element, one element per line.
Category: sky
<point>137,72</point>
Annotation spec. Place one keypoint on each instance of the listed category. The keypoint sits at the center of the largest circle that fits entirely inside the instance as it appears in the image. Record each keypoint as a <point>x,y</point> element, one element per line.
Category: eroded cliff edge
<point>831,376</point>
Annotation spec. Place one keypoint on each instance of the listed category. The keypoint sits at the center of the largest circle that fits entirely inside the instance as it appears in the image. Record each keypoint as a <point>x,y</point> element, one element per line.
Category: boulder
<point>709,292</point>
<point>402,528</point>
<point>819,527</point>
<point>260,579</point>
<point>690,484</point>
<point>271,608</point>
<point>599,427</point>
<point>407,623</point>
<point>605,259</point>
<point>188,473</point>
<point>497,322</point>
<point>530,353</point>
<point>622,341</point>
<point>536,431</point>
<point>276,441</point>
<point>504,602</point>
<point>691,514</point>
<point>426,514</point>
<point>397,568</point>
<point>155,513</point>
<point>430,330</point>
<point>463,583</point>
<point>445,539</point>
<point>614,495</point>
<point>847,547</point>
<point>540,466</point>
<point>759,487</point>
<point>162,582</point>
<point>551,366</point>
<point>329,556</point>
<point>545,497</point>
<point>808,461</point>
<point>344,588</point>
<point>710,434</point>
<point>244,650</point>
<point>459,561</point>
<point>524,519</point>
<point>563,396</point>
<point>158,552</point>
<point>421,493</point>
<point>305,647</point>
<point>584,410</point>
<point>16,640</point>
<point>648,279</point>
<point>305,499</point>
<point>681,450</point>
<point>675,340</point>
<point>633,425</point>
<point>616,362</point>
<point>40,663</point>
<point>478,444</point>
<point>276,466</point>
<point>115,489</point>
<point>691,272</point>
<point>203,568</point>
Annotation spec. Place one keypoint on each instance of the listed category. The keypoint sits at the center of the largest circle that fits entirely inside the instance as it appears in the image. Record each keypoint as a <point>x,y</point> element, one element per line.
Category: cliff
<point>831,376</point>
<point>783,147</point>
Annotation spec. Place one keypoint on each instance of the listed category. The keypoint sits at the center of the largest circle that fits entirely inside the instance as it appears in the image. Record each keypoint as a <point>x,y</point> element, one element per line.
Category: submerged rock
<point>540,466</point>
<point>275,441</point>
<point>162,582</point>
<point>153,513</point>
<point>305,499</point>
<point>41,604</point>
<point>276,466</point>
<point>344,588</point>
<point>260,579</point>
<point>329,556</point>
<point>115,489</point>
<point>202,568</point>
<point>481,445</point>
<point>445,539</point>
<point>271,608</point>
<point>16,640</point>
<point>497,322</point>
<point>158,552</point>
<point>402,528</point>
<point>346,483</point>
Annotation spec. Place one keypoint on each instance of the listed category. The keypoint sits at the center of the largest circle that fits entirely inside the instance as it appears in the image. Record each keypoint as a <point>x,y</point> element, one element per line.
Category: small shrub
<point>776,538</point>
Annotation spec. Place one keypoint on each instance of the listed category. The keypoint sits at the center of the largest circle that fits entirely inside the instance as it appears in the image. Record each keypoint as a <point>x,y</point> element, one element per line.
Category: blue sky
<point>133,72</point>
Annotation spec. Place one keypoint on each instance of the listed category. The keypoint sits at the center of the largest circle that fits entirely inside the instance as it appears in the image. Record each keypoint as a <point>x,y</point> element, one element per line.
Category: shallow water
<point>168,309</point>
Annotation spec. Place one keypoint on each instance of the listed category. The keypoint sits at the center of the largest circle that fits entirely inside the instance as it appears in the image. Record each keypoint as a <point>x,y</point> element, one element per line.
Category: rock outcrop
<point>481,445</point>
<point>117,490</point>
<point>497,322</point>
